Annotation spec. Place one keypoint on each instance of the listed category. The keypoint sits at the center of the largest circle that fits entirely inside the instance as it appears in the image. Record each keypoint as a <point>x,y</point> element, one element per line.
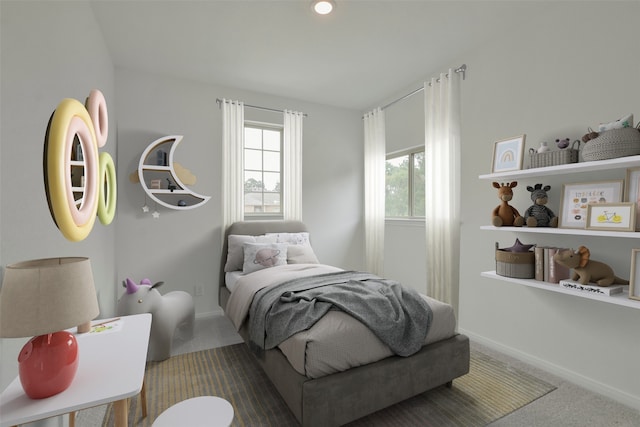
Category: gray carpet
<point>490,391</point>
<point>567,406</point>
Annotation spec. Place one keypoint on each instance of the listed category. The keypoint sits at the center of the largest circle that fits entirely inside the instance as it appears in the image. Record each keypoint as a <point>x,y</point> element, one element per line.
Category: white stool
<point>209,411</point>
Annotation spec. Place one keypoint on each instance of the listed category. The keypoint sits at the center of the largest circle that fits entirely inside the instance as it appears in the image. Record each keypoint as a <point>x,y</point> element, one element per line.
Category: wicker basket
<point>520,265</point>
<point>612,144</point>
<point>554,158</point>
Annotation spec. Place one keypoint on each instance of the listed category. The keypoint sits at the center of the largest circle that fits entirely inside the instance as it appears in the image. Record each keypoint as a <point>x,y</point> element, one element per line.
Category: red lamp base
<point>48,363</point>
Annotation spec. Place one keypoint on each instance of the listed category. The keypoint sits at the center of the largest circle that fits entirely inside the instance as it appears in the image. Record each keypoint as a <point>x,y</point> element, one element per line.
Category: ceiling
<point>357,57</point>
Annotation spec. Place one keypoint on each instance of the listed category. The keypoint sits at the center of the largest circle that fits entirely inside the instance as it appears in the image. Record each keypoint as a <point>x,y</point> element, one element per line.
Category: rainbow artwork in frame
<point>508,154</point>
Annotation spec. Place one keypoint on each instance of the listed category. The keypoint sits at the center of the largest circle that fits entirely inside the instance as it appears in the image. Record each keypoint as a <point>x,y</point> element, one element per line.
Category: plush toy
<point>586,270</point>
<point>589,136</point>
<point>624,122</point>
<point>538,215</point>
<point>168,312</point>
<point>505,214</point>
<point>563,143</point>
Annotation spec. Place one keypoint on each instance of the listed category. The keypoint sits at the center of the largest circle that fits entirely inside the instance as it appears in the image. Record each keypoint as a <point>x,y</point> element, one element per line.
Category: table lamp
<point>43,297</point>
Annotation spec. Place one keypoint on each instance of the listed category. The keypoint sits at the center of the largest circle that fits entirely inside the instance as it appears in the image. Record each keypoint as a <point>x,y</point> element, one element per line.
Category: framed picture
<point>611,216</point>
<point>508,154</point>
<point>576,197</point>
<point>634,281</point>
<point>632,191</point>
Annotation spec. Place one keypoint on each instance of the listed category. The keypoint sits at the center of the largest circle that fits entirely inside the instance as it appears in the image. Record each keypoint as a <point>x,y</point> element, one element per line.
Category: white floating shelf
<point>618,163</point>
<point>617,299</point>
<point>566,231</point>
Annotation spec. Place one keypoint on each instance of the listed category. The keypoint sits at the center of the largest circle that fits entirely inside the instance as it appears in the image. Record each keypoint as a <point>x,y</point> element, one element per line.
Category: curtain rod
<point>219,101</point>
<point>461,69</point>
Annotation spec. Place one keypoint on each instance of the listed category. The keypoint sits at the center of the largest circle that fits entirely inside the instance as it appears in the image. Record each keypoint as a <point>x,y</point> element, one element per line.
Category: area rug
<point>491,390</point>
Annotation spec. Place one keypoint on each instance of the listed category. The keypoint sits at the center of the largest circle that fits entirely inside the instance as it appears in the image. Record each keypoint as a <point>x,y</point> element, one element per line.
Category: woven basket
<point>612,144</point>
<point>520,265</point>
<point>554,158</point>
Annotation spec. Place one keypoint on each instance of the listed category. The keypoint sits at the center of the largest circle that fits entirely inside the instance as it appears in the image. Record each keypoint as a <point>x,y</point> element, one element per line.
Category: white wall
<point>550,80</point>
<point>557,72</point>
<point>183,247</point>
<point>53,51</point>
<point>49,52</point>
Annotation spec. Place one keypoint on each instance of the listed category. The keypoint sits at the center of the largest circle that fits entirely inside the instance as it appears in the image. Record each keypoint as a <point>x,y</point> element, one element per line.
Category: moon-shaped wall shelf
<point>159,179</point>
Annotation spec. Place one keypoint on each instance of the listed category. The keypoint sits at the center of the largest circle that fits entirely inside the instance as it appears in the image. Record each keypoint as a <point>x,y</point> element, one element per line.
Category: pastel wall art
<point>508,154</point>
<point>80,182</point>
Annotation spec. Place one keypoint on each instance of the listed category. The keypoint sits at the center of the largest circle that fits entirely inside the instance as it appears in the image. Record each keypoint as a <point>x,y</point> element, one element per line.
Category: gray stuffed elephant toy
<point>168,312</point>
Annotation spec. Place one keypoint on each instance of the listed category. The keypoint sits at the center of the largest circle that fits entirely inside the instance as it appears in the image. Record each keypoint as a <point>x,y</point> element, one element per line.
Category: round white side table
<point>200,411</point>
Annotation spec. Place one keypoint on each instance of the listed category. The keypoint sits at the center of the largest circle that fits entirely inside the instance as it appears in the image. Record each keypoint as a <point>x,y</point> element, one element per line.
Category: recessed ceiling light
<point>323,7</point>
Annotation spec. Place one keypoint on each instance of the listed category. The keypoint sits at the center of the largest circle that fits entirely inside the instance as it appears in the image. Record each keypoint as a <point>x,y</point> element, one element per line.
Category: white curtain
<point>442,164</point>
<point>232,162</point>
<point>374,190</point>
<point>292,185</point>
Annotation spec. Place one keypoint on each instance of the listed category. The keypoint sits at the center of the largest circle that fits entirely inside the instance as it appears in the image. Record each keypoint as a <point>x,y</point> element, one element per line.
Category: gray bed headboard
<point>255,228</point>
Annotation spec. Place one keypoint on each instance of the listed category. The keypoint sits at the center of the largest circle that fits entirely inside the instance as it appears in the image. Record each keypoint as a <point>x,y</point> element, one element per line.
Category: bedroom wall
<point>563,69</point>
<point>183,247</point>
<point>41,67</point>
<point>44,61</point>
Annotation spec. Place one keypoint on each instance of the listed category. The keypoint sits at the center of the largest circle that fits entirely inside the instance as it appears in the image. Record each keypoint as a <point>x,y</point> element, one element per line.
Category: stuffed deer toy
<point>505,214</point>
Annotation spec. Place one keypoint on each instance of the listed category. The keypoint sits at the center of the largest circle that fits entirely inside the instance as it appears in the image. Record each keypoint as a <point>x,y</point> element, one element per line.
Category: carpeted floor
<point>490,391</point>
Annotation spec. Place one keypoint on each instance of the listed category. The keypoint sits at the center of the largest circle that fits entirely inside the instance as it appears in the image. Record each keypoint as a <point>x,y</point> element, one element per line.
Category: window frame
<point>411,152</point>
<point>265,126</point>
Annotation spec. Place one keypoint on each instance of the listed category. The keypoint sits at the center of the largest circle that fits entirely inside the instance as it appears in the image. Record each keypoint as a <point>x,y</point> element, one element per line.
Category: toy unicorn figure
<point>168,312</point>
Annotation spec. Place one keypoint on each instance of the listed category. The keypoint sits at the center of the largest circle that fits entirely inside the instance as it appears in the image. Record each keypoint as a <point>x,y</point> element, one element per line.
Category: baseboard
<point>216,312</point>
<point>566,374</point>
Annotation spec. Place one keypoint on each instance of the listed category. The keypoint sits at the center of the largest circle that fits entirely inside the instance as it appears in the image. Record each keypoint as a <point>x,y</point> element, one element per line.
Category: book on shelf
<point>546,269</point>
<point>557,272</point>
<point>539,262</point>
<point>591,288</point>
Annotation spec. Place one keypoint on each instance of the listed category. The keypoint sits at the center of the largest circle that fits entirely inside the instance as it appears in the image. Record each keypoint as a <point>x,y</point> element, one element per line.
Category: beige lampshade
<point>46,295</point>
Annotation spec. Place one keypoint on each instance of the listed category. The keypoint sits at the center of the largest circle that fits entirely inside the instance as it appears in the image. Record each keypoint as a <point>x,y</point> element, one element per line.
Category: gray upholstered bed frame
<point>342,397</point>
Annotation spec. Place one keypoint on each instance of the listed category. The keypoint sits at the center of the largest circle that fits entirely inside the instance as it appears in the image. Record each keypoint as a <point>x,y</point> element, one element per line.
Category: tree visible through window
<point>262,170</point>
<point>405,185</point>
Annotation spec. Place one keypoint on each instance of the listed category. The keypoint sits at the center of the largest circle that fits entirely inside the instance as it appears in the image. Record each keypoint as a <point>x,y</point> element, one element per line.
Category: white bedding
<point>231,278</point>
<point>338,341</point>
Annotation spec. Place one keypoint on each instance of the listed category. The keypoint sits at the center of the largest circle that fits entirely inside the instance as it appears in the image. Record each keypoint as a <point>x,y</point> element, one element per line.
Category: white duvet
<point>338,341</point>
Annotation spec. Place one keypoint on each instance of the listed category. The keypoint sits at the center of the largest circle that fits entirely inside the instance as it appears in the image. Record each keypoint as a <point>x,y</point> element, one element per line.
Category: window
<point>262,169</point>
<point>405,185</point>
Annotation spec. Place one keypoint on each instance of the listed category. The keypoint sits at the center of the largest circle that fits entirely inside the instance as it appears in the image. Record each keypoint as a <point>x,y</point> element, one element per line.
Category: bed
<point>353,384</point>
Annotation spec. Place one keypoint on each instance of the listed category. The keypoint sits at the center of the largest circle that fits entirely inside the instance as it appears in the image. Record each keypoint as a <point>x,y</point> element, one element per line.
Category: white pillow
<point>301,238</point>
<point>235,254</point>
<point>258,256</point>
<point>299,254</point>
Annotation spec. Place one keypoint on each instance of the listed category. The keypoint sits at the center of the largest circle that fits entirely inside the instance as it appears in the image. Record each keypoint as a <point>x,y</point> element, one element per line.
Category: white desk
<point>111,369</point>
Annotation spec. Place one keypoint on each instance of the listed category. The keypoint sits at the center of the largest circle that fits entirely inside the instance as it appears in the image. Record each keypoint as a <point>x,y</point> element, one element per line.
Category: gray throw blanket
<point>397,315</point>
